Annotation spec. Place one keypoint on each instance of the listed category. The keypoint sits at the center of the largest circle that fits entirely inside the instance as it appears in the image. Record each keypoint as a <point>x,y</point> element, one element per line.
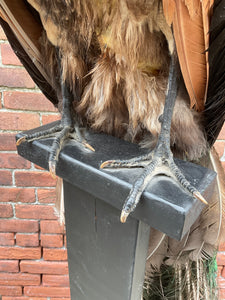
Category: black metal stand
<point>107,258</point>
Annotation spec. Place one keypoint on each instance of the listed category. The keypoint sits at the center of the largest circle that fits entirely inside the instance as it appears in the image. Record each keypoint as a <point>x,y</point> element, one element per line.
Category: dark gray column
<point>106,258</point>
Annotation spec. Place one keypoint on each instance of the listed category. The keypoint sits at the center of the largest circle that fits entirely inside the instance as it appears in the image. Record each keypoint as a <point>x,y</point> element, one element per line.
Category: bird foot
<point>60,133</point>
<point>158,161</point>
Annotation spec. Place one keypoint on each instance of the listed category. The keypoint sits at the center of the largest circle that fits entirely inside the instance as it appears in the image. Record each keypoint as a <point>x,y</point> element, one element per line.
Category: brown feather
<point>190,30</point>
<point>169,10</point>
<point>188,33</point>
<point>206,17</point>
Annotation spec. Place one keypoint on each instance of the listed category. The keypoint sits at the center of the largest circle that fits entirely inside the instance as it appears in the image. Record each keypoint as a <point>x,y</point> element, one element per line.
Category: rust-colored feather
<point>169,10</point>
<point>190,20</point>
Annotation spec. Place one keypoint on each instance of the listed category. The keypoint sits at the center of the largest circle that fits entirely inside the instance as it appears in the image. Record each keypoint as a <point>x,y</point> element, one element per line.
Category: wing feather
<point>190,20</point>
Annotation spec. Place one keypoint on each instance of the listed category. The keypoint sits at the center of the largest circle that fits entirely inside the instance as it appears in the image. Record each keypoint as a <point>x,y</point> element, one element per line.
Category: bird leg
<point>160,160</point>
<point>68,128</point>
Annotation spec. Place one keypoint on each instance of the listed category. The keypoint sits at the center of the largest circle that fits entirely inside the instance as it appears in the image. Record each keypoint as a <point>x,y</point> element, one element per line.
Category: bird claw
<point>108,164</point>
<point>159,164</point>
<point>52,168</point>
<point>60,134</point>
<point>123,216</point>
<point>199,196</point>
<point>137,162</point>
<point>88,146</point>
<point>21,140</point>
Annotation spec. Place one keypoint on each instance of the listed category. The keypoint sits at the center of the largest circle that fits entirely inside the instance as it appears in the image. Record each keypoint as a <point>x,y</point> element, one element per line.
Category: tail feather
<point>188,268</point>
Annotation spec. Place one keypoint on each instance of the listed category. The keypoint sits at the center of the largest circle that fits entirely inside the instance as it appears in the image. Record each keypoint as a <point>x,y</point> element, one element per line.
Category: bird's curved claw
<point>21,140</point>
<point>52,168</point>
<point>199,196</point>
<point>107,164</point>
<point>123,216</point>
<point>158,164</point>
<point>88,146</point>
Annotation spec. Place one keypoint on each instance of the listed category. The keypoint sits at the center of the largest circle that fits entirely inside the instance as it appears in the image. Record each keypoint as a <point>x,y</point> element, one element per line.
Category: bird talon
<point>106,163</point>
<point>123,216</point>
<point>52,169</point>
<point>21,140</point>
<point>86,145</point>
<point>199,196</point>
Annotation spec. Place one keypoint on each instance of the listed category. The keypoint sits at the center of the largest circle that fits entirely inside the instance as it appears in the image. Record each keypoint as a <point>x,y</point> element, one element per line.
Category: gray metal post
<point>106,258</point>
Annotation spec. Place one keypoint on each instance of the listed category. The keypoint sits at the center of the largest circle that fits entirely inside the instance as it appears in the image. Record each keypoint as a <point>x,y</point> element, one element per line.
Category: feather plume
<point>189,27</point>
<point>190,259</point>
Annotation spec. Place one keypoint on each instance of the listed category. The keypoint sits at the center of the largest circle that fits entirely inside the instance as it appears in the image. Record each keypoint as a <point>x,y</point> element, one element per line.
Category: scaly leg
<point>160,160</point>
<point>68,128</point>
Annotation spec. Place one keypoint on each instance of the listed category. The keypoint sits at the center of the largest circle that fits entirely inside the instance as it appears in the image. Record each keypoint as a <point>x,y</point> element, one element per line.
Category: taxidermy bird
<point>150,72</point>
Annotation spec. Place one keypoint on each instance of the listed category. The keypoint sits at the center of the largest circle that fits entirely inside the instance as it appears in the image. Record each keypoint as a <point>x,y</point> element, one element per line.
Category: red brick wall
<point>33,258</point>
<point>33,255</point>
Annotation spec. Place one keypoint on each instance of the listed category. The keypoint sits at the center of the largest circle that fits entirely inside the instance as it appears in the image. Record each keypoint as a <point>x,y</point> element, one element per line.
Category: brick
<point>220,146</point>
<point>17,195</point>
<point>221,294</point>
<point>47,291</point>
<point>11,77</point>
<point>222,133</point>
<point>6,211</point>
<point>8,56</point>
<point>221,260</point>
<point>52,241</point>
<point>11,266</point>
<point>7,141</point>
<point>55,280</point>
<point>10,290</point>
<point>59,298</point>
<point>2,34</point>
<point>65,241</point>
<point>35,212</point>
<point>44,267</point>
<point>27,240</point>
<point>27,101</point>
<point>55,254</point>
<point>222,247</point>
<point>34,178</point>
<point>221,282</point>
<point>20,253</point>
<point>18,226</point>
<point>25,298</point>
<point>18,120</point>
<point>13,161</point>
<point>7,239</point>
<point>46,195</point>
<point>219,270</point>
<point>19,279</point>
<point>223,165</point>
<point>5,177</point>
<point>46,119</point>
<point>52,227</point>
<point>222,271</point>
